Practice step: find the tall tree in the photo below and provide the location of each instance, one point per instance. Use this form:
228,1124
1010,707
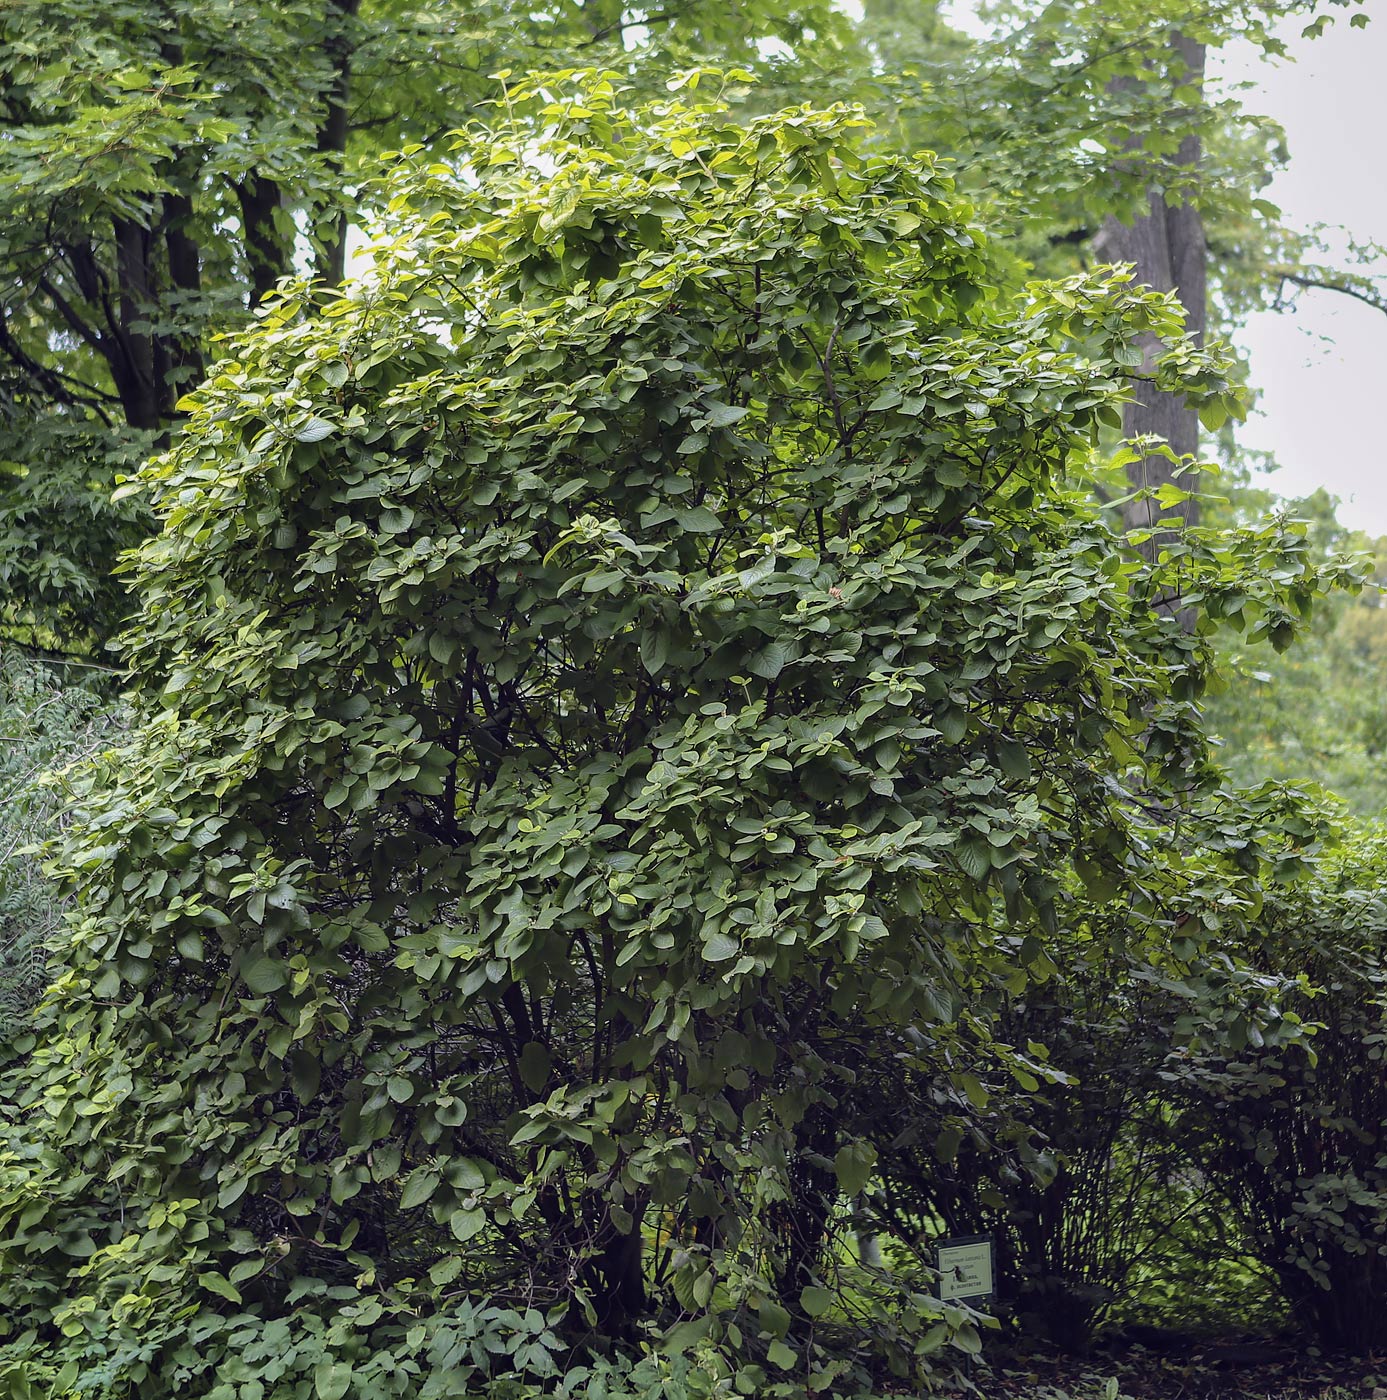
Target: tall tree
167,161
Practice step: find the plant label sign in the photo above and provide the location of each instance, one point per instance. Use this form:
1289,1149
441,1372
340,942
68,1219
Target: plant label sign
965,1268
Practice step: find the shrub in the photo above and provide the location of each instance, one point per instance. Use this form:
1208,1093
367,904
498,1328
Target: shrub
1295,1138
638,629
1085,1174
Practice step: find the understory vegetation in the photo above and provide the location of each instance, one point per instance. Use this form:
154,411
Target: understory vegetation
660,748
49,723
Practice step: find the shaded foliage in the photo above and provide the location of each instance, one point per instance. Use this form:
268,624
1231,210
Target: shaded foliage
1084,1172
48,720
1293,1139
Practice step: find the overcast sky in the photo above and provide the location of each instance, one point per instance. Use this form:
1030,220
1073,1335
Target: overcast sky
1323,369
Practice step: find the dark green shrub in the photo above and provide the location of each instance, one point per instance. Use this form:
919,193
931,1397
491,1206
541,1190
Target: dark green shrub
639,628
1086,1180
1297,1139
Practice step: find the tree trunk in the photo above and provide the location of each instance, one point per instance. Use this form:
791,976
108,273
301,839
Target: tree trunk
185,278
135,369
332,134
622,1297
800,1222
266,253
1166,244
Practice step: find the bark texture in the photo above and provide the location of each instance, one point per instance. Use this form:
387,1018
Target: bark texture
1166,244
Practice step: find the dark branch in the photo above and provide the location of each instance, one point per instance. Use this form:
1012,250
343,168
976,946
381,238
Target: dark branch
1330,284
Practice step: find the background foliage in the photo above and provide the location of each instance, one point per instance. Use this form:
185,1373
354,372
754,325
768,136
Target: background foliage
1314,713
48,721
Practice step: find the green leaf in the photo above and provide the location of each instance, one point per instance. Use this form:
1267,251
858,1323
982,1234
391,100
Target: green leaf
772,1317
189,943
975,857
722,415
466,1223
698,520
222,1287
535,1065
853,1164
654,651
421,1183
230,1192
331,1380
261,972
721,947
1013,759
305,1074
972,1087
315,430
772,659
815,1301
683,1335
949,1140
